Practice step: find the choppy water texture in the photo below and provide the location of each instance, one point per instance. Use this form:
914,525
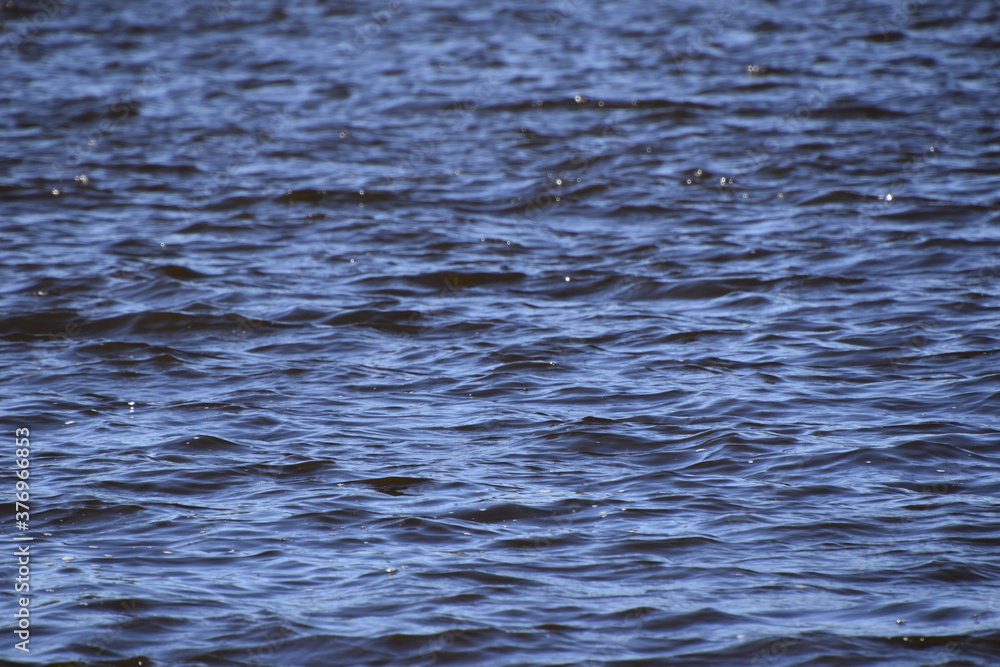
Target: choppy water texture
504,333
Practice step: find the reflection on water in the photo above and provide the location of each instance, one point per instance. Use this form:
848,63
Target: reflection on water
615,333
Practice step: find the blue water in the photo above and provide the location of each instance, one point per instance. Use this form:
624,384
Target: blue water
478,333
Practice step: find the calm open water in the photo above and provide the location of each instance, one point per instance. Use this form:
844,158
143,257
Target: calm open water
503,333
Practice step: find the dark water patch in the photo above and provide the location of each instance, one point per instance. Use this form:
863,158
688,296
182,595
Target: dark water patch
393,486
169,324
50,324
886,36
179,272
410,321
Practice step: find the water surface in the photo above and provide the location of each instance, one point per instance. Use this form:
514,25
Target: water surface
523,333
